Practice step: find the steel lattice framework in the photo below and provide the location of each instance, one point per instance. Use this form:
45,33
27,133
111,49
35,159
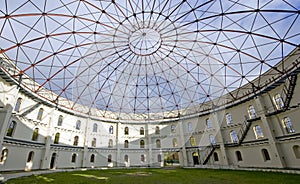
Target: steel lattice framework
147,56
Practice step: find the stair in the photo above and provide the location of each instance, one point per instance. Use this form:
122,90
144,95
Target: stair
209,150
289,90
243,131
30,109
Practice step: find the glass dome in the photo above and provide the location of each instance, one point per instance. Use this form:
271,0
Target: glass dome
148,56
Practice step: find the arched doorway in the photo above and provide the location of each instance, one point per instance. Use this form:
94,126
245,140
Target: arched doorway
171,159
195,158
52,162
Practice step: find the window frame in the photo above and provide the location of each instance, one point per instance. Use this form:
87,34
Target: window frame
40,114
92,158
158,143
95,127
234,137
126,130
258,132
78,125
18,105
142,144
126,144
3,156
30,156
35,134
73,158
94,142
76,140
239,156
278,101
142,131
251,112
109,158
56,138
266,154
175,143
111,130
11,128
288,125
173,128
157,130
209,124
228,118
212,139
192,141
110,143
60,120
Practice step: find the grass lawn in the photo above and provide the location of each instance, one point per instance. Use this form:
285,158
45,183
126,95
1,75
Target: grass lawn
160,176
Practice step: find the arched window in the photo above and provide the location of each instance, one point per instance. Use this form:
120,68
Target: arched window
212,139
142,158
60,120
126,131
192,141
251,112
18,105
76,139
126,158
142,144
11,128
126,144
296,149
142,131
3,156
73,159
110,143
175,144
158,145
30,156
40,114
208,123
173,129
265,154
35,134
288,125
159,158
109,158
228,118
258,132
111,130
190,127
94,141
216,157
95,127
238,155
92,159
234,137
78,125
56,138
157,130
278,101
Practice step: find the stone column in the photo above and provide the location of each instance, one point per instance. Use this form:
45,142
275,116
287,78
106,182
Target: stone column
5,119
46,158
184,162
274,149
85,145
218,118
118,145
148,137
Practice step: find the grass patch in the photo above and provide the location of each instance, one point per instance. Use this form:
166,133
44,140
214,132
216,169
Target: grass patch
159,176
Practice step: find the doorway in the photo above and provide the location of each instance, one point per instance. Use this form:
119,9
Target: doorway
171,159
52,162
195,158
